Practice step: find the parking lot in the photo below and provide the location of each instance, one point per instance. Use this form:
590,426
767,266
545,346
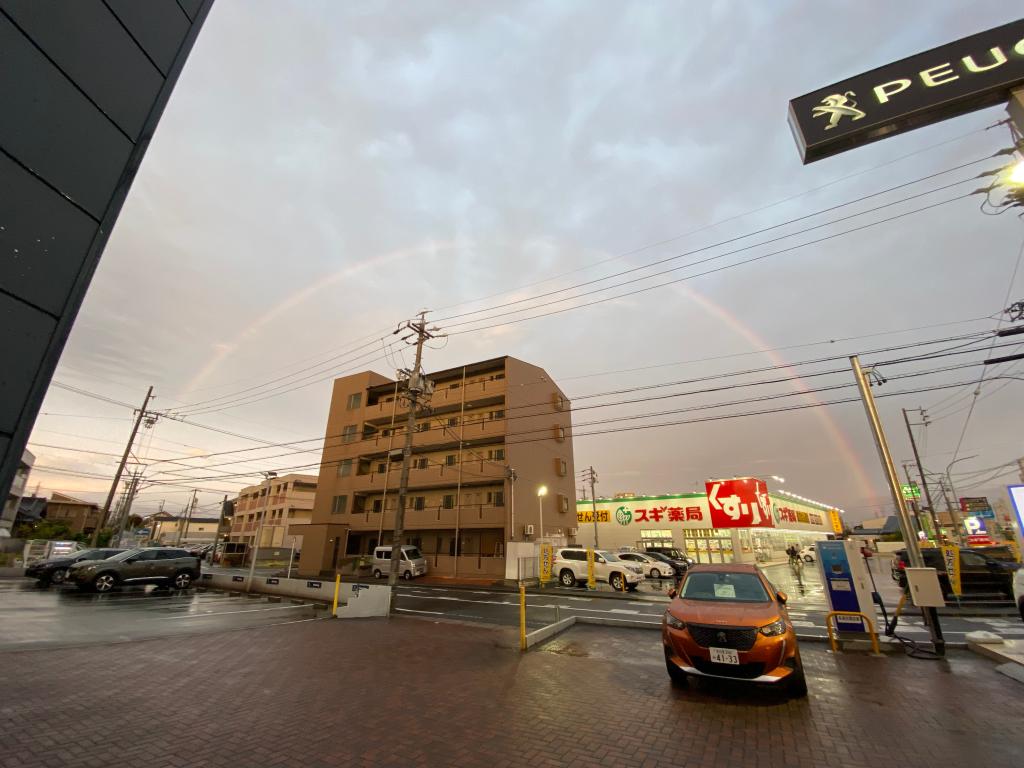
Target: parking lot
413,692
31,617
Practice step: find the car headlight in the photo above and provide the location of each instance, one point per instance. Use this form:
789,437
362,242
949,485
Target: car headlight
673,622
775,628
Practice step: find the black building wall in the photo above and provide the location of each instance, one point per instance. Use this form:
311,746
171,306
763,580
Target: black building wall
82,86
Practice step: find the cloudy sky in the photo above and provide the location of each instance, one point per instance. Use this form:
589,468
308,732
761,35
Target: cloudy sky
326,169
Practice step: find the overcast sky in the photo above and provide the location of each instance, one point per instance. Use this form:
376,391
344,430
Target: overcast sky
324,170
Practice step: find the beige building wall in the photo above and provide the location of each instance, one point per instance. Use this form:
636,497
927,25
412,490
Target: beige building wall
280,517
485,419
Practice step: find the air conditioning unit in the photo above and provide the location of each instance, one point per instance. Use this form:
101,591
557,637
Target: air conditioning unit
574,531
528,530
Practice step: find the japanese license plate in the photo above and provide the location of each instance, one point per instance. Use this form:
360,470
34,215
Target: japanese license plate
724,656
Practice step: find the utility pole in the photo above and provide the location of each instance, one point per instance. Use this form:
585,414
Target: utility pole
920,471
220,524
510,473
269,475
914,507
415,386
120,468
590,476
187,517
931,616
126,508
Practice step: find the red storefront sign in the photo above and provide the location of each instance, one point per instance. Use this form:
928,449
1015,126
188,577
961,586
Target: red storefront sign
739,503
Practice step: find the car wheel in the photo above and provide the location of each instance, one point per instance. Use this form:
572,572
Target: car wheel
182,580
616,581
655,573
407,575
797,683
59,575
808,559
567,578
377,574
675,674
104,582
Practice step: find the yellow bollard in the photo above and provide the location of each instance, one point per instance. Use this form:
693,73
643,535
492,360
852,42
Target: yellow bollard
522,617
337,588
623,582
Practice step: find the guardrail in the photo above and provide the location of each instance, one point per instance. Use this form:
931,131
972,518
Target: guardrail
831,632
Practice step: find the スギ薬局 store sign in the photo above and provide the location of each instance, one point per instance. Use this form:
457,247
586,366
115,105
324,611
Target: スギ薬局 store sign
739,503
969,74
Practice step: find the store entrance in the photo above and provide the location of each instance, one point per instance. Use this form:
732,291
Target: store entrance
705,546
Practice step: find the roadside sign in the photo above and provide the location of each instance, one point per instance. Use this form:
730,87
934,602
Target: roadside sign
910,491
547,561
591,578
951,559
977,506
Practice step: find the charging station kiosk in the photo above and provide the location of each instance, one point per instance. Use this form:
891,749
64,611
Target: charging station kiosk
847,582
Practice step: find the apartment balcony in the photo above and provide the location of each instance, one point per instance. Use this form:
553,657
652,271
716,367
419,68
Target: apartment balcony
444,399
466,516
474,472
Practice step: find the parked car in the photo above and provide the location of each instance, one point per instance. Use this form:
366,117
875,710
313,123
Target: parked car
1018,591
678,566
54,570
979,574
570,568
807,554
728,621
672,554
411,565
650,566
167,566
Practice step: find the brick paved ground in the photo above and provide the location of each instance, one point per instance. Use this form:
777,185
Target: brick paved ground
418,693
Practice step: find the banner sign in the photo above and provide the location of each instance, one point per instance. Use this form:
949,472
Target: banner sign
837,521
977,506
739,503
547,561
951,559
970,74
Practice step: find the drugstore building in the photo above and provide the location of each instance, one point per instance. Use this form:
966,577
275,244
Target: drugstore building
683,521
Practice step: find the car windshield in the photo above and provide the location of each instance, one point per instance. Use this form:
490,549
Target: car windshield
609,557
125,555
658,556
412,553
724,586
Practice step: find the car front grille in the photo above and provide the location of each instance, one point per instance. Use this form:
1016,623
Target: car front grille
744,671
737,638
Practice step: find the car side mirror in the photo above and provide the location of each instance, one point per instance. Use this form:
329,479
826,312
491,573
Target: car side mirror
783,597
673,592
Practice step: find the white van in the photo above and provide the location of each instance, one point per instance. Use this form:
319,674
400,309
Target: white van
412,563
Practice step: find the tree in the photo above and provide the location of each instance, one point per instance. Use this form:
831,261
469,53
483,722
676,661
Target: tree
43,529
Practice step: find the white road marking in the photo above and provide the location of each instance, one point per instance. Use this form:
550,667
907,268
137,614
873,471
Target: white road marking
804,624
623,610
225,613
410,610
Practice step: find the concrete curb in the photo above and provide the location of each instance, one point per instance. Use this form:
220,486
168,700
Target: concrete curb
546,633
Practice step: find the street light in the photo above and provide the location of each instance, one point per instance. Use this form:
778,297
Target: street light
541,493
1017,174
259,530
955,515
778,479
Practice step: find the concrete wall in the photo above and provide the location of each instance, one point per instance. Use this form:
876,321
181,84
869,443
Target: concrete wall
82,87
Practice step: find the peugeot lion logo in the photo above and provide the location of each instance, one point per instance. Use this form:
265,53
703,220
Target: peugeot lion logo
722,637
838,106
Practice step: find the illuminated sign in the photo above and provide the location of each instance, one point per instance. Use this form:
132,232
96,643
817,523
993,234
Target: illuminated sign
739,503
969,74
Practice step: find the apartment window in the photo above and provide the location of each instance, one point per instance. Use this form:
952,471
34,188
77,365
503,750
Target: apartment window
377,505
498,454
450,459
382,467
291,514
422,463
423,426
560,467
453,421
449,501
419,502
563,503
559,434
348,433
498,376
497,498
345,468
354,401
492,415
456,385
385,433
558,401
339,505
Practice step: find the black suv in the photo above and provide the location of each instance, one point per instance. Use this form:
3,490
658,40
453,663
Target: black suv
979,573
167,566
55,569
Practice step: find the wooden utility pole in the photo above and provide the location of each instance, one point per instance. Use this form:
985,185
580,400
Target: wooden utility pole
120,468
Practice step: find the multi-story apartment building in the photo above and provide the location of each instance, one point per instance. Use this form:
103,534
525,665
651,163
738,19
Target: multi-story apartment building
490,435
290,504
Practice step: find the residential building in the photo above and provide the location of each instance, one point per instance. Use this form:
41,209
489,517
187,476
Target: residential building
481,422
80,516
290,504
200,530
10,509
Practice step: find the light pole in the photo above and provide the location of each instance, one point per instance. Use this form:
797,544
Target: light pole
953,511
541,493
259,530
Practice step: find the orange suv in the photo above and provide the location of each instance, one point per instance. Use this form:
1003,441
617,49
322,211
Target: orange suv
728,621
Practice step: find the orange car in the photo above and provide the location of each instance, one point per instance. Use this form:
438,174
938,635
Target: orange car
728,621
